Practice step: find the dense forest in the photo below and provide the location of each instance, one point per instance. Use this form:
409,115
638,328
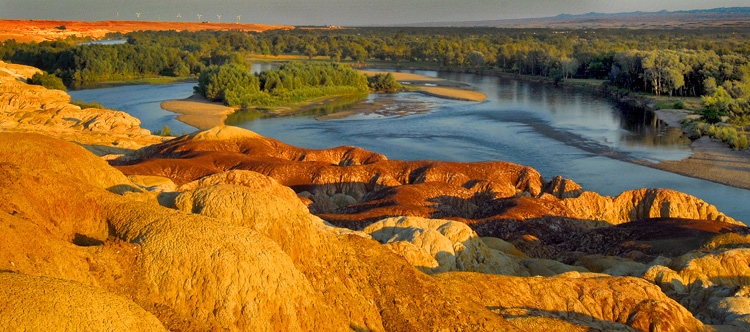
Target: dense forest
714,63
689,62
293,82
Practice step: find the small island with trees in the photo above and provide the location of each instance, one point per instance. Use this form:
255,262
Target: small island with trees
702,70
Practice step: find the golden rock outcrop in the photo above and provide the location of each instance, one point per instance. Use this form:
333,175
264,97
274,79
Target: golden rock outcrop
214,231
642,204
598,301
47,304
32,108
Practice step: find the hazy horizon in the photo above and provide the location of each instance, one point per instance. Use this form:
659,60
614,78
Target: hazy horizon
335,12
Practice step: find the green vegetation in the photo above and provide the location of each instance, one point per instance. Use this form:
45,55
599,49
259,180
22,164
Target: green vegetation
670,104
166,131
384,82
718,107
685,62
49,81
84,105
292,83
726,133
713,63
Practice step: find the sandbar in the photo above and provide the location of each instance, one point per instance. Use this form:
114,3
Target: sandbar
198,111
433,86
711,160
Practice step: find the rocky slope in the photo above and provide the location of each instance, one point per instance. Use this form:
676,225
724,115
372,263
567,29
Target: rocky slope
32,108
228,230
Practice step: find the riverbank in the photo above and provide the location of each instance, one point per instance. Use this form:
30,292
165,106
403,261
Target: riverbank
198,111
433,86
203,114
711,160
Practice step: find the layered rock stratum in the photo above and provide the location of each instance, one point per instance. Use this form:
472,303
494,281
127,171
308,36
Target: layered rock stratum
227,230
32,108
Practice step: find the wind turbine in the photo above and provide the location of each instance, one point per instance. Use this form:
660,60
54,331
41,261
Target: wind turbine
218,18
238,19
199,17
179,15
117,15
138,15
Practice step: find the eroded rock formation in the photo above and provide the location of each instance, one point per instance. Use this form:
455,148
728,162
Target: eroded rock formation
32,108
214,231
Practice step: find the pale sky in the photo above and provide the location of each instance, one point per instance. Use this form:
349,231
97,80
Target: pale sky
336,12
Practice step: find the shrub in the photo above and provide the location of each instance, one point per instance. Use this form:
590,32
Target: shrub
166,131
742,142
711,131
696,130
84,105
49,81
384,82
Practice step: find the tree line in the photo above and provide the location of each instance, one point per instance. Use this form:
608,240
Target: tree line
695,62
293,82
687,62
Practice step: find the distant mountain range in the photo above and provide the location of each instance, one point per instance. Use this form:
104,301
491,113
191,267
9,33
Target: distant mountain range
733,17
730,11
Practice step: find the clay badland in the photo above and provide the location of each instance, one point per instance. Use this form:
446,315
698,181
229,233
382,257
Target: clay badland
107,227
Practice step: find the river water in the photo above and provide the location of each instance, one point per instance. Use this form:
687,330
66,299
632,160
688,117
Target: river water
555,131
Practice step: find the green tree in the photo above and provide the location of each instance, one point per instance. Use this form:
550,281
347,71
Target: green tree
384,82
716,106
476,59
49,81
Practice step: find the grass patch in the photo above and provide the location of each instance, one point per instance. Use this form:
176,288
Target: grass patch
84,105
585,82
687,103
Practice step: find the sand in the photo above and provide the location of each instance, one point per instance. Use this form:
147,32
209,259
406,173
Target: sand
452,93
434,86
198,112
711,160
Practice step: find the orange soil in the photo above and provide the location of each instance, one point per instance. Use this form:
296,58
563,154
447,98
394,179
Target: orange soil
41,30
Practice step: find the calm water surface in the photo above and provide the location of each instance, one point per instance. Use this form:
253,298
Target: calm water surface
142,102
556,131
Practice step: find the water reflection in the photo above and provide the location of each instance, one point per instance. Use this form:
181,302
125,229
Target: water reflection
594,119
328,108
556,131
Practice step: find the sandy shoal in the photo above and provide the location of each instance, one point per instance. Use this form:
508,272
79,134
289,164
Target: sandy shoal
198,112
452,93
433,86
711,160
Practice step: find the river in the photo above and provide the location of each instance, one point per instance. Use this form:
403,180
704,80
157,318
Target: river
554,130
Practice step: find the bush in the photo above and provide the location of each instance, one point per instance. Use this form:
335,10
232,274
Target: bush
695,131
84,105
166,131
726,134
49,81
742,142
384,82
